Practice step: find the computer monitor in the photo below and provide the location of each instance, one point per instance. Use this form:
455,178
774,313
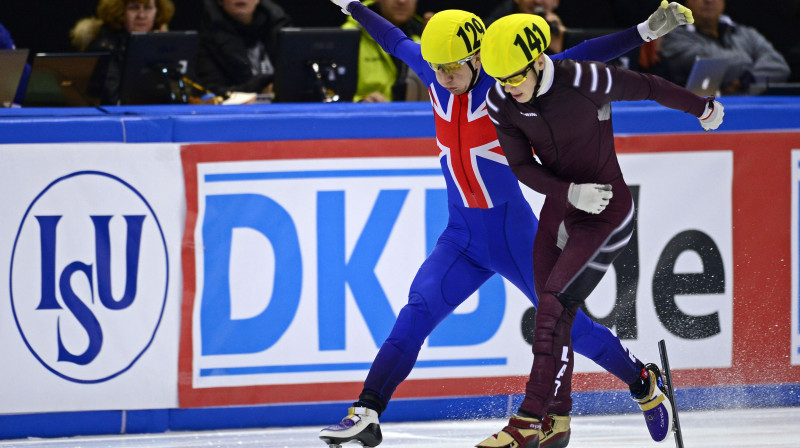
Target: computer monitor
12,64
65,80
317,65
154,67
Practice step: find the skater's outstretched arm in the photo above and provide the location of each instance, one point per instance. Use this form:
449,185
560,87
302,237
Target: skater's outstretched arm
388,36
666,18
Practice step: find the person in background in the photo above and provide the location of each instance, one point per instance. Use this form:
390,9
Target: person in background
560,110
544,8
752,58
381,76
110,32
238,47
6,43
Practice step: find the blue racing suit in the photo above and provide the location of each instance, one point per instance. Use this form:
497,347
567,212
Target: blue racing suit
491,226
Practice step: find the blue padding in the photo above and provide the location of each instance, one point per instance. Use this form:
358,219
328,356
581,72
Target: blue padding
741,114
305,126
147,421
61,129
148,129
60,424
192,123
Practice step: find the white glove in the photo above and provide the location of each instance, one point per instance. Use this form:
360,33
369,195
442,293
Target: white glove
667,17
591,198
712,116
343,4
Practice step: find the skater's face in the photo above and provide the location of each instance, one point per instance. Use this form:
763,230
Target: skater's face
521,85
457,82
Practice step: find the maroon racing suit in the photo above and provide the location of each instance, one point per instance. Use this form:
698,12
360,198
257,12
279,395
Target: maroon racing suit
568,125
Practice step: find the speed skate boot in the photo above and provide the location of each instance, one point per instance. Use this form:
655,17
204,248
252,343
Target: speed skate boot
521,432
555,431
360,426
655,403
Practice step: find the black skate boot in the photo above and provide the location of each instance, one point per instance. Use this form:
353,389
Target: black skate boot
361,426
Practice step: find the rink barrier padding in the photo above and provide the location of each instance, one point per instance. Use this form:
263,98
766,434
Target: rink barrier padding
66,424
773,382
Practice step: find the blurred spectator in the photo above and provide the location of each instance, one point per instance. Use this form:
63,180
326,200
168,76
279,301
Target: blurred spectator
542,8
382,77
752,57
778,21
6,43
239,45
111,30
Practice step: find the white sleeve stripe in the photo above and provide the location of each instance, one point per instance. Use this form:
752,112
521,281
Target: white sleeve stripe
610,81
490,104
493,120
577,80
499,89
594,78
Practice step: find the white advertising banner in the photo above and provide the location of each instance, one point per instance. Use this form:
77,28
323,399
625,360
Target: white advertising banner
90,242
302,265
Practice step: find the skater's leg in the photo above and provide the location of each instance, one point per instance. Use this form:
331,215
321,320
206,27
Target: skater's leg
549,385
444,281
590,245
599,344
447,277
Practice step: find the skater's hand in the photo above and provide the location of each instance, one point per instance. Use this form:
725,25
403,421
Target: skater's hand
343,4
667,17
712,116
591,198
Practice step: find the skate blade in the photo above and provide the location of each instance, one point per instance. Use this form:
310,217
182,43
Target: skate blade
333,443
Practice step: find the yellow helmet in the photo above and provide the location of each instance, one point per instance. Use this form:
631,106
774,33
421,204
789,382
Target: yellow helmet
513,42
452,35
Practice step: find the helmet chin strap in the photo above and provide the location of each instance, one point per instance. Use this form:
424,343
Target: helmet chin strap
474,79
537,85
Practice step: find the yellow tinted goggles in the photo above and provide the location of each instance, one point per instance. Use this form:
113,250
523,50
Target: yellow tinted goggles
515,80
451,67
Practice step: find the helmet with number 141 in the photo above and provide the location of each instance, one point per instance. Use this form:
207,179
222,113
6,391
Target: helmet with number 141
513,43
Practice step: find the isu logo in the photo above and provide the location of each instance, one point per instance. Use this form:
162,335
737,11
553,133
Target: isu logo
89,276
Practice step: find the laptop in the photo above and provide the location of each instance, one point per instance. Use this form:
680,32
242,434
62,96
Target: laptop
706,76
65,80
12,64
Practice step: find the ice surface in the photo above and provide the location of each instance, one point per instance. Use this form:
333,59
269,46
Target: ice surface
731,428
